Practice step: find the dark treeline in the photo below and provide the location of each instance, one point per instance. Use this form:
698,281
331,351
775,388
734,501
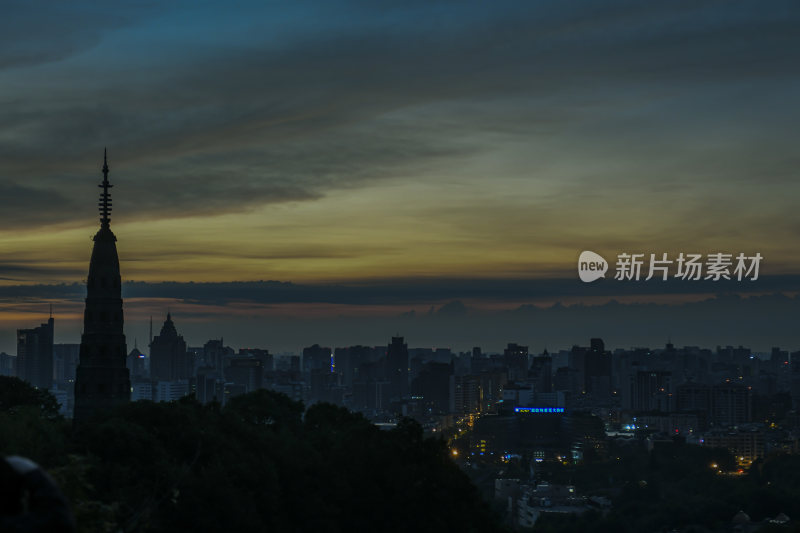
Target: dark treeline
261,463
674,487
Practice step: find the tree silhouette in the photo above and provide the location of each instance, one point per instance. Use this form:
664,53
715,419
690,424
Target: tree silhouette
15,393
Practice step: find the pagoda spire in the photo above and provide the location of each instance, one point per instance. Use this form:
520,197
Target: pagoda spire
105,196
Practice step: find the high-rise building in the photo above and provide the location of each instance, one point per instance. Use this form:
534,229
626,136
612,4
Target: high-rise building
35,355
169,360
208,386
170,391
245,371
577,362
142,390
266,358
597,370
397,368
370,390
102,379
324,387
541,372
65,361
136,365
435,386
516,361
652,391
8,364
467,394
693,396
215,353
316,357
732,404
348,361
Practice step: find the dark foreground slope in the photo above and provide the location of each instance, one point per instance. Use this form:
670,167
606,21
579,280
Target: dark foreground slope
259,464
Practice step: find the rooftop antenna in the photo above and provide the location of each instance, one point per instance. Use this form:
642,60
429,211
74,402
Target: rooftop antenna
151,331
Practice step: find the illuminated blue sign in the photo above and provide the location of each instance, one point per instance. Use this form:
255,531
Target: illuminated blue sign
538,409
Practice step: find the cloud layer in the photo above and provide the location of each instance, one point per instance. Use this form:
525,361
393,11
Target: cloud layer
210,111
401,153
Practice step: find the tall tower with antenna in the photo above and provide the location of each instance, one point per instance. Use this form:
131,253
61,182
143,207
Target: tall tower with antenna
102,379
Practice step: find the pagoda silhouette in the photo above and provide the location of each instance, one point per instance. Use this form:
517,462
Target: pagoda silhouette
102,380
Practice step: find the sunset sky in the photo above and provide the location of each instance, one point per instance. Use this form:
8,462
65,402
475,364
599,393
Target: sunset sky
384,158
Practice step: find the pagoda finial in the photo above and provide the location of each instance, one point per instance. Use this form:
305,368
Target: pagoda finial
105,196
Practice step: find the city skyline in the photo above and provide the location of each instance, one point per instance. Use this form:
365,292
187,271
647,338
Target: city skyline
400,266
383,161
702,324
